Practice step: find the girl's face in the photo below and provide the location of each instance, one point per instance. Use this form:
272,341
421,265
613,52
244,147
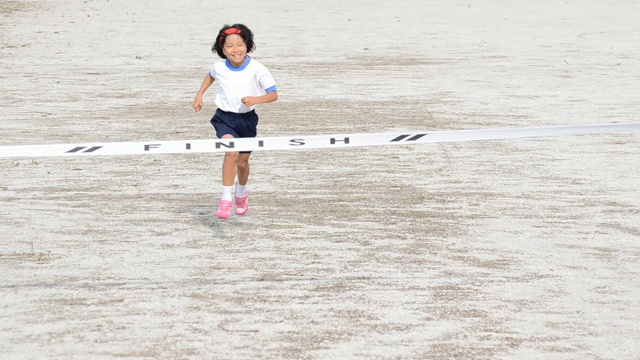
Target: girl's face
235,49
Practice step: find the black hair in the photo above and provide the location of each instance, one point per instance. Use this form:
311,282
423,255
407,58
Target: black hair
240,29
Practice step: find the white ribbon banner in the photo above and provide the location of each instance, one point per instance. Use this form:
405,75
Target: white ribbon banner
301,142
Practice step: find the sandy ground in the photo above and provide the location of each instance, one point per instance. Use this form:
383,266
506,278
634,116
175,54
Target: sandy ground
521,249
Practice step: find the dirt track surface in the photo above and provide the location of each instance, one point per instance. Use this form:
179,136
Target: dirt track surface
498,249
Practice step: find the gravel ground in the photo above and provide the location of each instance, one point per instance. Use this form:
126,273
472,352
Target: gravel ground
518,249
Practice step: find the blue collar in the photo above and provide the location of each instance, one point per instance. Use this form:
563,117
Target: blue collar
239,68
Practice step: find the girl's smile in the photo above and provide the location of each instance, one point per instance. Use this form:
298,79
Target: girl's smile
235,49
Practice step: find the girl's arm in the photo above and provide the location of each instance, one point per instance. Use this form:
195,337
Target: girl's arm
255,100
197,103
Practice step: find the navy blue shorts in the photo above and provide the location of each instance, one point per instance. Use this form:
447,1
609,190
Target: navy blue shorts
239,125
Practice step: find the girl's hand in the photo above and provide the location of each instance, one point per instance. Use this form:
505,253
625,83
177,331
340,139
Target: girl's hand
197,104
249,101
255,100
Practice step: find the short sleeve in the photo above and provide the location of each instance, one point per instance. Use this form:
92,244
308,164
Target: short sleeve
212,72
267,83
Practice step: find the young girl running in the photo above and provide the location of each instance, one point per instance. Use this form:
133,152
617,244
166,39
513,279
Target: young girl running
243,83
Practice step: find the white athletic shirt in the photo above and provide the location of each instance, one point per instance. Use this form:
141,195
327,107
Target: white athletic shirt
250,79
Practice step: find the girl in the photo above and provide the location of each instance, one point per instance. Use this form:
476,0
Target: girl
243,83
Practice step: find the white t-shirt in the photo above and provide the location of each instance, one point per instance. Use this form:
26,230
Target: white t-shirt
250,79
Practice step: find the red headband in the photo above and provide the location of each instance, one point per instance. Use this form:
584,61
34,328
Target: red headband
229,31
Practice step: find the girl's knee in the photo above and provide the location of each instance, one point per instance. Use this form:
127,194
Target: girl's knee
231,156
242,163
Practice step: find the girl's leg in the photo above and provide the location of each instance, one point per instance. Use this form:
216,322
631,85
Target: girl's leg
242,164
229,166
242,204
228,176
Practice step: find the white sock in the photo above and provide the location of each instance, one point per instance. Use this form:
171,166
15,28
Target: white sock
241,190
226,193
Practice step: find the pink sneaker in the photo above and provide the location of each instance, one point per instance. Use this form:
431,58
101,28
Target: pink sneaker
242,204
224,209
